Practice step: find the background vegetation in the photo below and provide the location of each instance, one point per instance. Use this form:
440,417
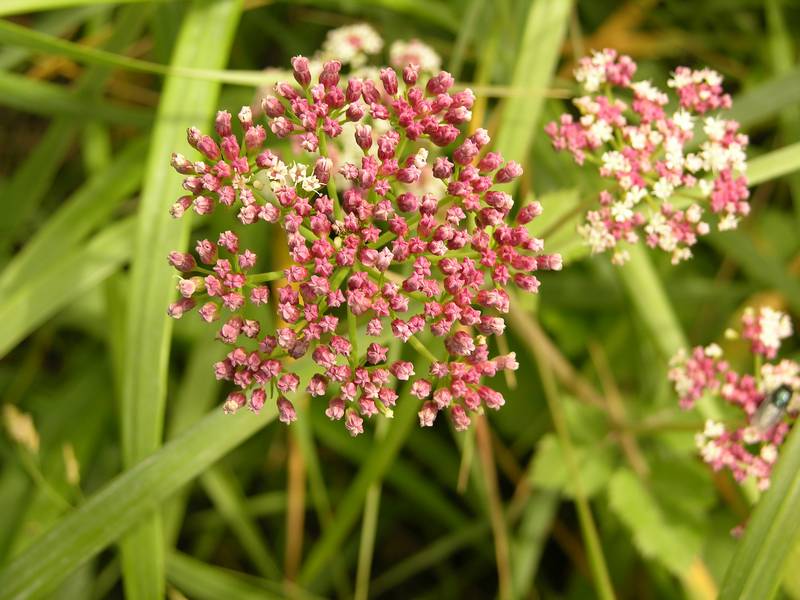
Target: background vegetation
586,484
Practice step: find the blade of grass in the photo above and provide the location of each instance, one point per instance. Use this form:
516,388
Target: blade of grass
352,501
369,527
739,247
767,99
229,499
538,54
127,499
594,548
149,329
49,99
84,210
756,569
205,582
16,7
13,34
45,292
54,23
774,164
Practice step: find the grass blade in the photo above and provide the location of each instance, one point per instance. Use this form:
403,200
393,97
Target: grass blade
374,468
774,164
538,55
16,7
149,329
87,208
67,279
48,99
133,495
757,566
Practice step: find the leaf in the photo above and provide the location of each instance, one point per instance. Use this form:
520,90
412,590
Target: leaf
766,100
671,544
206,582
538,55
84,210
774,164
771,534
127,499
151,288
48,99
16,7
373,468
549,468
66,279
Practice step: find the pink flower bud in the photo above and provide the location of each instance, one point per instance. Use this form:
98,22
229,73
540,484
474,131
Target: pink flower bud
300,68
286,412
182,261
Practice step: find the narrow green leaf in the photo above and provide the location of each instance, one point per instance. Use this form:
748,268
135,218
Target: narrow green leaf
205,582
739,247
229,500
774,164
30,182
766,100
13,34
45,292
182,103
528,545
130,497
648,297
772,532
353,500
83,211
49,99
538,55
16,7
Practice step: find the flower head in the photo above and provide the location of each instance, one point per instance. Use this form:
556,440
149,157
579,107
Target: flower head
661,189
399,238
769,398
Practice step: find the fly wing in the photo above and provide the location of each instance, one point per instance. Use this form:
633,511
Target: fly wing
767,416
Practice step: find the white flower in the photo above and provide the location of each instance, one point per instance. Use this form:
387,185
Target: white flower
351,44
663,189
401,53
621,211
774,326
713,429
615,162
635,195
684,120
714,128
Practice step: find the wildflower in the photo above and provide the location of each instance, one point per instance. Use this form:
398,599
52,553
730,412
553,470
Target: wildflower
751,449
660,189
397,238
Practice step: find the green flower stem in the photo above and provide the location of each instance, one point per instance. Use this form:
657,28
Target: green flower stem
264,277
323,150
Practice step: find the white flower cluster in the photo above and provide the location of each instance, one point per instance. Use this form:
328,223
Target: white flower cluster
591,73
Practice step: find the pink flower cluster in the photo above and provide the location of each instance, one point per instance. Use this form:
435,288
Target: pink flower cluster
661,185
751,449
387,244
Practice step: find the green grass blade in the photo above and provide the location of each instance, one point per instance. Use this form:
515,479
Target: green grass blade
49,99
538,55
149,329
16,7
87,208
528,545
353,500
229,500
205,582
739,247
774,164
647,294
13,34
757,566
766,100
46,292
30,182
130,497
